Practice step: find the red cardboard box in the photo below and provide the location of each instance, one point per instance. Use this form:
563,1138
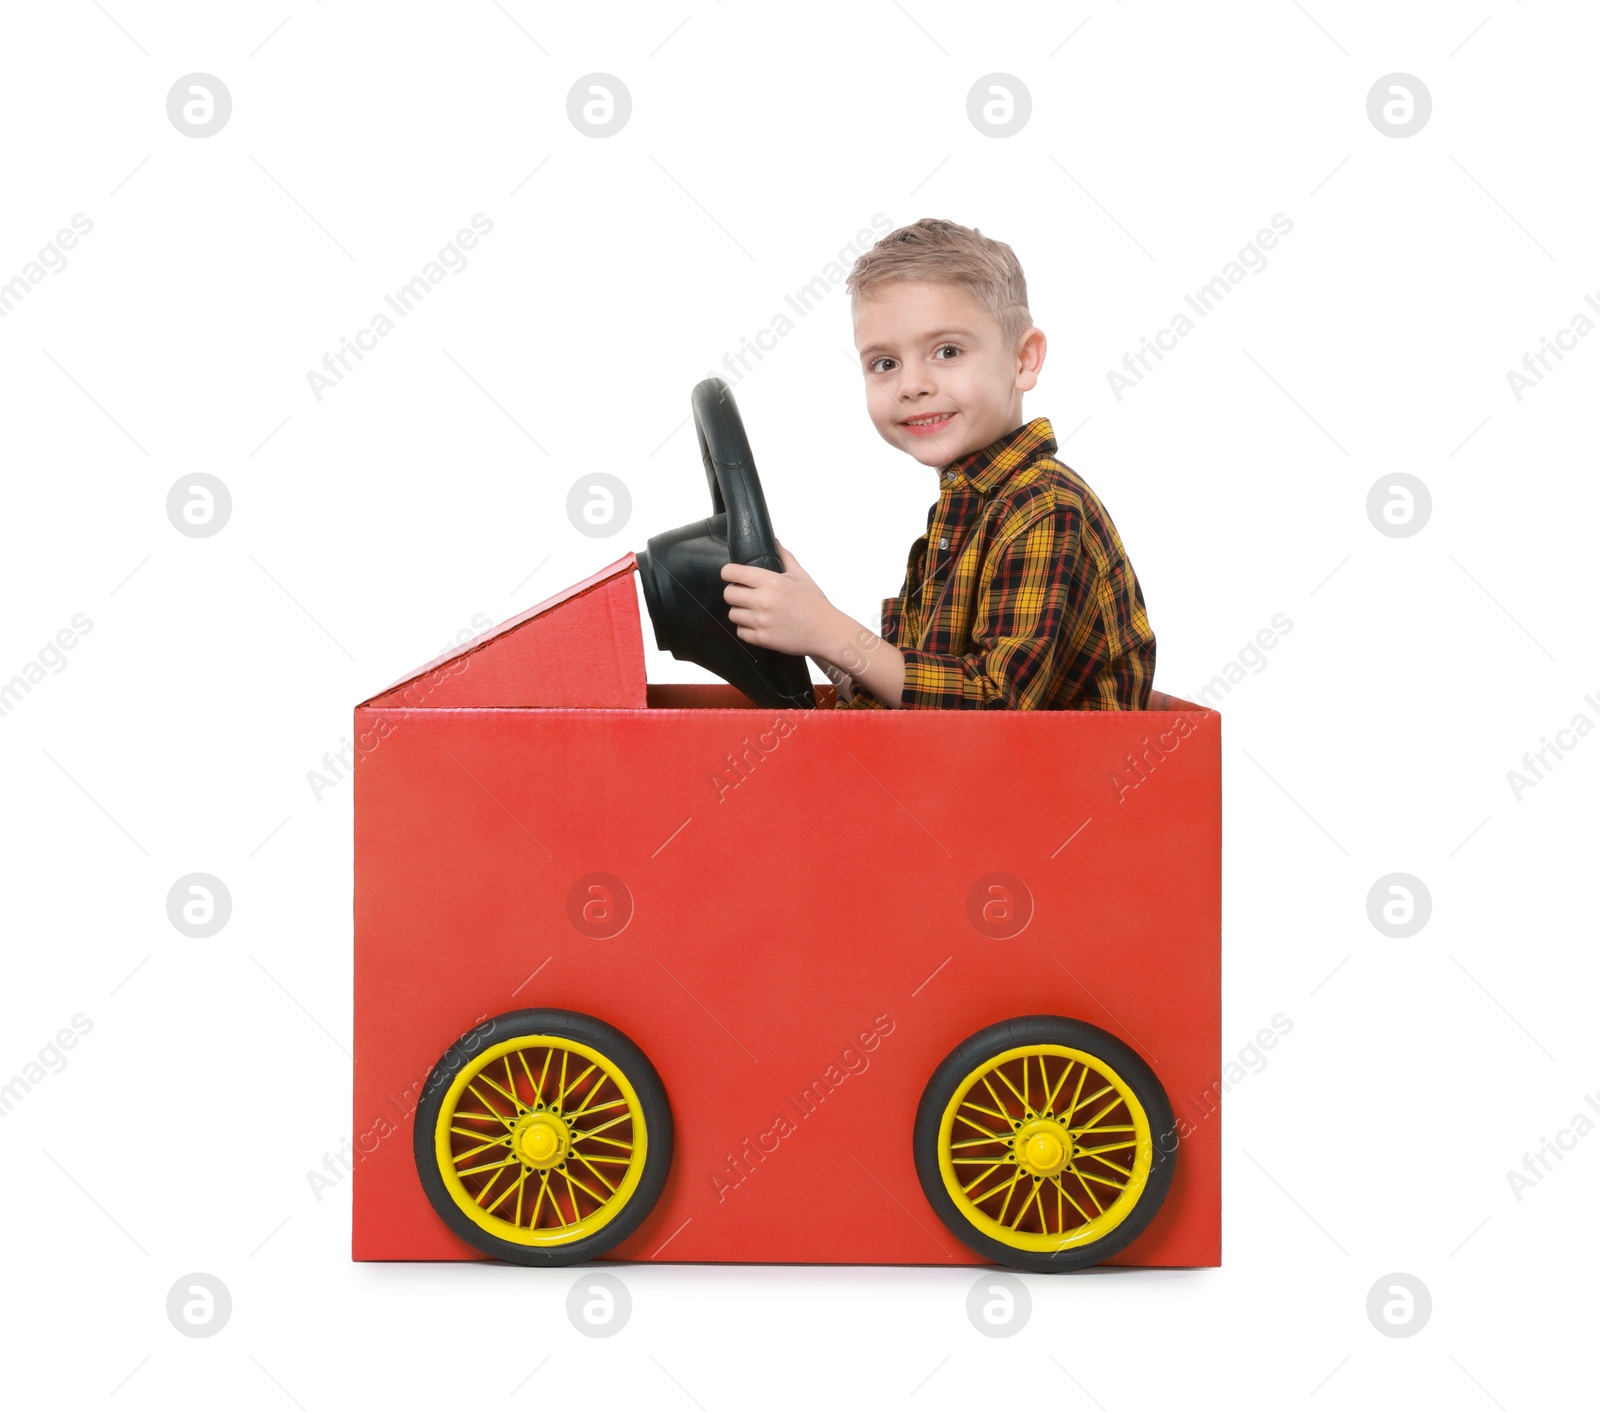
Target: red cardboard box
787,927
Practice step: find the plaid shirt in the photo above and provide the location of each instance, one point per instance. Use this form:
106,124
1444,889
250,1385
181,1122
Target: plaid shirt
1027,601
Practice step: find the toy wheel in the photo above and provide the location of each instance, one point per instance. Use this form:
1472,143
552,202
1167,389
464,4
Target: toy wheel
543,1137
1044,1143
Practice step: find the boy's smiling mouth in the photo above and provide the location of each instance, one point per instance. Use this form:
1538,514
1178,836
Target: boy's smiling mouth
932,422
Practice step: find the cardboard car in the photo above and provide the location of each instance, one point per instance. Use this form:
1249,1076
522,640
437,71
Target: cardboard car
655,971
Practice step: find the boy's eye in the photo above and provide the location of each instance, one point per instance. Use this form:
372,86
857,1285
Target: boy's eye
944,348
880,365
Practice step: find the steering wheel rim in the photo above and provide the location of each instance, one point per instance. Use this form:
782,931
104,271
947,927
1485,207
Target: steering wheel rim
680,570
732,476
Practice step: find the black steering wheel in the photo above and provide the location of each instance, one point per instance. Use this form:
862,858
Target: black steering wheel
681,571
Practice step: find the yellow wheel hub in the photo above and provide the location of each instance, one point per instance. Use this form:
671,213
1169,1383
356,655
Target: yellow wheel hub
1045,1148
541,1140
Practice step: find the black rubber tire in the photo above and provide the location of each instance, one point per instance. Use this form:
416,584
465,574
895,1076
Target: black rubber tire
1076,1034
620,1050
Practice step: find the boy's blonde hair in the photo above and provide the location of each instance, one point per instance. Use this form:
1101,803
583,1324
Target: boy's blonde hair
942,251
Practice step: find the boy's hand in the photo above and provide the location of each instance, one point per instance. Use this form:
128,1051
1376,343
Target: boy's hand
786,612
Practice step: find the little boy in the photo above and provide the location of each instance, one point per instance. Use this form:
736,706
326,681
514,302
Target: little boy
1020,595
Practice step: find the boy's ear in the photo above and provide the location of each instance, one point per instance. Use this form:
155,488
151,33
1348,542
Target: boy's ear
1030,358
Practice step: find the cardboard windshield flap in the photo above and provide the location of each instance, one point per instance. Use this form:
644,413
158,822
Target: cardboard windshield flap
796,933
583,647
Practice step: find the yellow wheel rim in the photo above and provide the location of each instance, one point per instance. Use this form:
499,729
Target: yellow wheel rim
1044,1148
541,1140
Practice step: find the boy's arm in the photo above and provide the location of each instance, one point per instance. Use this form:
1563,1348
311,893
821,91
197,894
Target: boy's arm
874,666
855,694
1015,635
788,612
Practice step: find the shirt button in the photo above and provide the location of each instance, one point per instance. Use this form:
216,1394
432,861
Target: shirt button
944,544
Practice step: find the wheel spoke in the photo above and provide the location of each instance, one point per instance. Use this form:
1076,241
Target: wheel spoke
533,1083
488,1103
970,1102
487,1167
1050,1101
999,1103
488,1186
515,1186
625,1143
1027,1201
1021,1097
482,1137
1114,1106
1125,1173
571,1180
1062,1191
482,1147
587,1107
572,1196
483,1117
538,1200
610,1123
610,1187
981,1175
581,1077
555,1205
1083,1073
1088,1191
1005,1204
979,1127
996,1190
1091,1177
993,1167
1097,1127
509,1097
965,1142
1093,1097
1109,1147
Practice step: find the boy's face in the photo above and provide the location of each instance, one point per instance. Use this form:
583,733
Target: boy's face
940,380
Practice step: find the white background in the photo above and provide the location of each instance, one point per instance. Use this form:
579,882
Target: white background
430,486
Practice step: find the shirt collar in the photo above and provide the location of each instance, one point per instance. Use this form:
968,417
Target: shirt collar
986,469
